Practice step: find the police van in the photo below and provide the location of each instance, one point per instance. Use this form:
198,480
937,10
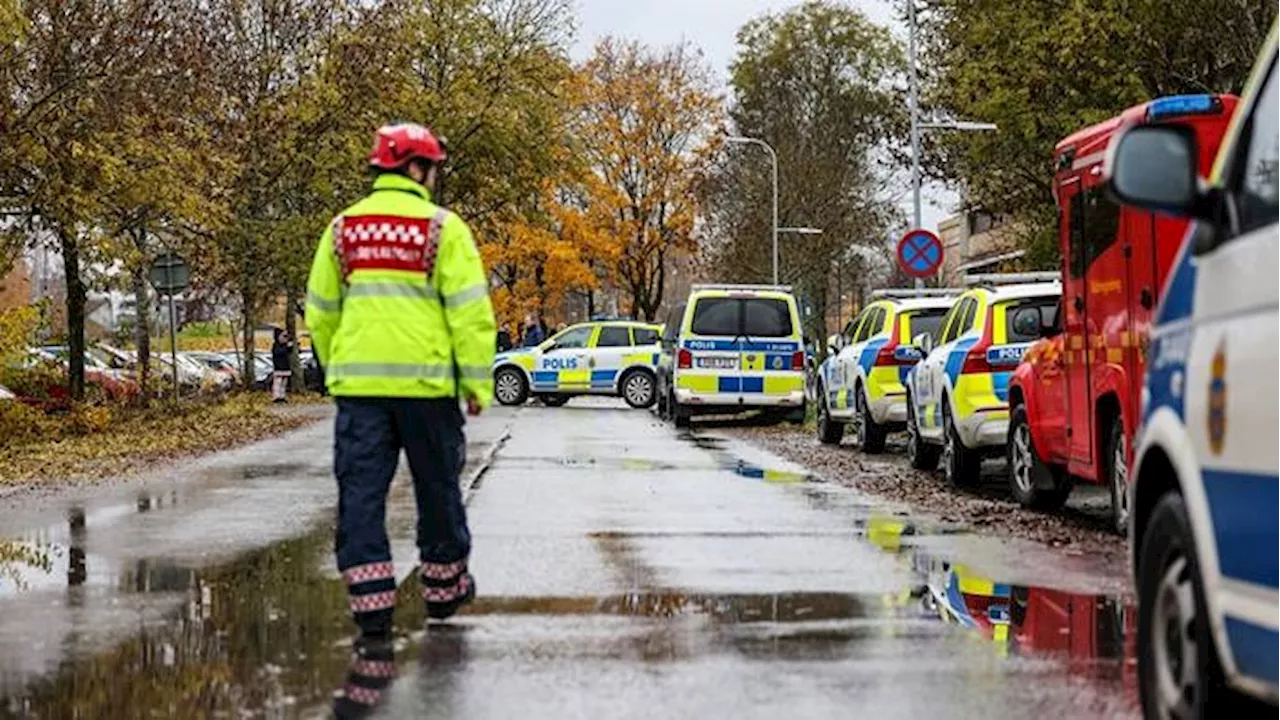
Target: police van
731,348
1204,483
862,383
594,358
958,395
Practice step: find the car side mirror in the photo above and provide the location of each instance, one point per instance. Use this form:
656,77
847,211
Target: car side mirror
835,343
1154,167
924,341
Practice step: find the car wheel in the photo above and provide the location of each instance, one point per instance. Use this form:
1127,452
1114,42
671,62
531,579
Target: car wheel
870,435
1177,665
510,386
830,432
1118,477
638,389
960,464
1031,482
554,400
922,454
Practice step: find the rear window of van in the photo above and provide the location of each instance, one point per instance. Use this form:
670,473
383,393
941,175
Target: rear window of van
733,317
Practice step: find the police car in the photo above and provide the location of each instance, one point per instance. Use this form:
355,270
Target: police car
1204,481
958,395
731,348
595,358
862,383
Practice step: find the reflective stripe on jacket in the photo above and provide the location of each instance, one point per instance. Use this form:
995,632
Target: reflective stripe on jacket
398,300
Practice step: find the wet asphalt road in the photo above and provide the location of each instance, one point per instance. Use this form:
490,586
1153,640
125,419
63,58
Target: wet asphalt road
624,571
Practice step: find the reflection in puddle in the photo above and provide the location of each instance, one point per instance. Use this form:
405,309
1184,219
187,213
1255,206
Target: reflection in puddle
1094,634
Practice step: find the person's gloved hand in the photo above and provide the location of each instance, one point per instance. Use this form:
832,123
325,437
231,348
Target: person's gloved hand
473,407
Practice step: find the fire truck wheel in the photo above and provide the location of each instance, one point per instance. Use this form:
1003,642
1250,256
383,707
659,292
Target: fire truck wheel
1032,483
1117,464
961,465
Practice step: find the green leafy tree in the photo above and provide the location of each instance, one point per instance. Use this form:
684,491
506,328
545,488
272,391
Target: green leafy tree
1041,70
822,85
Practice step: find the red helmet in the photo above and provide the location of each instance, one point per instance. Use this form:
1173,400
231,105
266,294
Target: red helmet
398,144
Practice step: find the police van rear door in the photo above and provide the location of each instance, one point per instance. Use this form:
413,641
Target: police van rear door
770,346
716,345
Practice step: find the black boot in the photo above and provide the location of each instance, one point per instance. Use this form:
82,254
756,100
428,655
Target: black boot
445,609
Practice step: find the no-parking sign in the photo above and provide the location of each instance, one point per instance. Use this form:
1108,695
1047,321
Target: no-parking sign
920,253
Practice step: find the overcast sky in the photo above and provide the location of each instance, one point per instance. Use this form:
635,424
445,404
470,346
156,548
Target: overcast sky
712,25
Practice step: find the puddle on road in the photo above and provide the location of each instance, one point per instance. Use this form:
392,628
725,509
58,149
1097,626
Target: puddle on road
1093,633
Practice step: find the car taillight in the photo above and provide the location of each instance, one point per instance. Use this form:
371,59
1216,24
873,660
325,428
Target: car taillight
797,360
684,359
975,361
888,355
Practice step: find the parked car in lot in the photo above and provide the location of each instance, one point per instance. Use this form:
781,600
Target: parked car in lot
1074,402
862,383
958,395
216,362
731,348
593,358
112,383
1204,486
261,366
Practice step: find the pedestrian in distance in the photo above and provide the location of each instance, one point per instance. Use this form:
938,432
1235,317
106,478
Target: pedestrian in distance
282,369
400,318
534,335
504,339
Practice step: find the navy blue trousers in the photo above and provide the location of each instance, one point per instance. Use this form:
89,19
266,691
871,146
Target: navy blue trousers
369,436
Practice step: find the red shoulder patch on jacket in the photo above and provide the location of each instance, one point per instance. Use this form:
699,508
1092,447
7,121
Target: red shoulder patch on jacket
385,242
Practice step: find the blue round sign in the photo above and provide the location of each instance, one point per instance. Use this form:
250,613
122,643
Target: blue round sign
920,253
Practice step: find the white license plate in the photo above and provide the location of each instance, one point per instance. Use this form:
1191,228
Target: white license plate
718,363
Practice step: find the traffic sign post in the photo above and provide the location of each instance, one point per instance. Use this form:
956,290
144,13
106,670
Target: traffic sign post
920,253
169,274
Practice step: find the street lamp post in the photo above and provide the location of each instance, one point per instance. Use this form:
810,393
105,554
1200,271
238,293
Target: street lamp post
773,158
917,126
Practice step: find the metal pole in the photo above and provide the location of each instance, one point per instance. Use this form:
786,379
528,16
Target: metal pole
173,332
915,120
774,157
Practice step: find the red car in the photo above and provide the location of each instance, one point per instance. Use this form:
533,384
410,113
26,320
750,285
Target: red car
1074,398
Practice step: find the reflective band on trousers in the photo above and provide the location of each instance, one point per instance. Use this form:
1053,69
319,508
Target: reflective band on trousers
392,289
369,369
323,303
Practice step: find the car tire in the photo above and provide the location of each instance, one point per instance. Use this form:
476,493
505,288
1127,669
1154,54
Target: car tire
1172,615
554,400
1117,467
922,454
1032,483
638,388
680,416
661,405
961,465
870,435
830,432
510,386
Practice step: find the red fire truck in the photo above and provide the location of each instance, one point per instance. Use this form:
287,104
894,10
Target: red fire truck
1074,399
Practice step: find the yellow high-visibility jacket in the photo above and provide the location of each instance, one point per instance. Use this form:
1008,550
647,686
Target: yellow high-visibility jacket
398,300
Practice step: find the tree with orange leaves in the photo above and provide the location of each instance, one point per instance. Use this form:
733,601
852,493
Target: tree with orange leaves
643,123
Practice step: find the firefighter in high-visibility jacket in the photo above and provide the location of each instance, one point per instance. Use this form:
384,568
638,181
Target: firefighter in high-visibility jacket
399,313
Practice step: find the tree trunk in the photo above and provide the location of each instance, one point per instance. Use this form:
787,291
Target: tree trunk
142,329
296,383
75,313
246,356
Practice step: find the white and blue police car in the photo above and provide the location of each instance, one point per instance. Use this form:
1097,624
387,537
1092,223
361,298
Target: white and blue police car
1204,490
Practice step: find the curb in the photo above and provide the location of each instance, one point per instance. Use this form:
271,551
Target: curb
471,483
